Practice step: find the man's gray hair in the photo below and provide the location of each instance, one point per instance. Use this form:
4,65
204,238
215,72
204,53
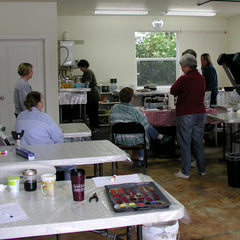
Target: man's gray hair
188,60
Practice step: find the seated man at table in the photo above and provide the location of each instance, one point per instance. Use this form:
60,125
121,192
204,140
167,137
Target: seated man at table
39,127
125,112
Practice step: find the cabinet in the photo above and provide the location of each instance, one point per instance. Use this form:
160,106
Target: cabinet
106,103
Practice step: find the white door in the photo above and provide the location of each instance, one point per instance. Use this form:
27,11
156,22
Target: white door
12,53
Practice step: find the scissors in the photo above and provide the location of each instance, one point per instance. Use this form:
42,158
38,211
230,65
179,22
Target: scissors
93,196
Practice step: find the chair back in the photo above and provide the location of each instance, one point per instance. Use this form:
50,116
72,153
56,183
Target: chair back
126,128
130,128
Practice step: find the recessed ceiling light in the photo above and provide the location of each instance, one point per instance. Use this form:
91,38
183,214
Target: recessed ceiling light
120,12
190,13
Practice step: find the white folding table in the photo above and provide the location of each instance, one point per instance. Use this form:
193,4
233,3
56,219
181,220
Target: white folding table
60,214
226,118
76,131
67,154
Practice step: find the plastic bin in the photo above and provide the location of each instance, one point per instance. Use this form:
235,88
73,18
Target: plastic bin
157,231
233,169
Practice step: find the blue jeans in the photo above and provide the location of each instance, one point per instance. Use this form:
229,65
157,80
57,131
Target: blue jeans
190,130
150,133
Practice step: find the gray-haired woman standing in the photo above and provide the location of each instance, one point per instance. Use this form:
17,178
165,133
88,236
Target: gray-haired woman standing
190,115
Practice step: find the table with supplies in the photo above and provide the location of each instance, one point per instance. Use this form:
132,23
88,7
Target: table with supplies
67,154
71,97
165,122
34,214
167,118
227,118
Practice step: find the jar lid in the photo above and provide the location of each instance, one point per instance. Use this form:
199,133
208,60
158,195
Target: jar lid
29,172
48,177
13,178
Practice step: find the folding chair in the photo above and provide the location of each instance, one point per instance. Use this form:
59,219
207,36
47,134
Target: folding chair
130,128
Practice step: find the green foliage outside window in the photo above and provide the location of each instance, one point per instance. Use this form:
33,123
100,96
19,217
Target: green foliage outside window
156,57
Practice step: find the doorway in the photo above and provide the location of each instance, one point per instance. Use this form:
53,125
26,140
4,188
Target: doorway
13,51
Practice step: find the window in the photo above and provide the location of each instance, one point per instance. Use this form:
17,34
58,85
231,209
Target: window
156,55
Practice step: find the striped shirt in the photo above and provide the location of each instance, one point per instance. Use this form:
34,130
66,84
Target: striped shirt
125,112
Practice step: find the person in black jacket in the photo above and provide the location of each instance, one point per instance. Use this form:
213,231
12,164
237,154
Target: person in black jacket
92,96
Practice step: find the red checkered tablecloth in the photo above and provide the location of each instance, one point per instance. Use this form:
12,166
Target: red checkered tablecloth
160,118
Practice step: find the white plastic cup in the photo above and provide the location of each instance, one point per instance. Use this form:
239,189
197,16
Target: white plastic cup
48,184
13,183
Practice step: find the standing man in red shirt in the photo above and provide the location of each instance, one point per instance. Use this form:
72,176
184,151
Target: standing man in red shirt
190,115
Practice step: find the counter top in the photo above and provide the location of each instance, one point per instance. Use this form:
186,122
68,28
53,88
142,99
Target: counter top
140,92
75,90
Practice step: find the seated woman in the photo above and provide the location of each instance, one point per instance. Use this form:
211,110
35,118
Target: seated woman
125,112
39,127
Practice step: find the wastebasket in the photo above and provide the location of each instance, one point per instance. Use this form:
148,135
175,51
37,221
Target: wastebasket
233,169
157,231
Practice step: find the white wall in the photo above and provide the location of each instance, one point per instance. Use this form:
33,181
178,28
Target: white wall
234,35
109,41
30,19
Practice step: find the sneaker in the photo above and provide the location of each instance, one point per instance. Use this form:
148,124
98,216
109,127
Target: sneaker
181,175
140,163
203,174
164,139
194,164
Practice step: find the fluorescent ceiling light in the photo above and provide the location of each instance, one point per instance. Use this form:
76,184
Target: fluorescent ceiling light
120,12
190,13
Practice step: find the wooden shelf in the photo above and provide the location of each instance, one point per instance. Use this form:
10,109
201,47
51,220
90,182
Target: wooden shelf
108,103
105,93
104,124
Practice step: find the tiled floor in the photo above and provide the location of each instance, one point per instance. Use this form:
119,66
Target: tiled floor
213,206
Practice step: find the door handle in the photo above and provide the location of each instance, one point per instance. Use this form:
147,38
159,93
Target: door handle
2,97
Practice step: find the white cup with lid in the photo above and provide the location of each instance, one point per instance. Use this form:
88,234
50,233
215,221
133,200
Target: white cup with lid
48,184
13,183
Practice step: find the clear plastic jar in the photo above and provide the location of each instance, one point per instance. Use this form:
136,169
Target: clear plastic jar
30,179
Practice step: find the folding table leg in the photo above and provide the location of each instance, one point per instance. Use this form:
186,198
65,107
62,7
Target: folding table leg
145,166
129,233
95,170
112,168
224,141
100,169
139,232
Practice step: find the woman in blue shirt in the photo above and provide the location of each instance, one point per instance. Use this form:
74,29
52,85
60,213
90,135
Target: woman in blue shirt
39,127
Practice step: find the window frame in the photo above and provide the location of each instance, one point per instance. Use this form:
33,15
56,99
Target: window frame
158,59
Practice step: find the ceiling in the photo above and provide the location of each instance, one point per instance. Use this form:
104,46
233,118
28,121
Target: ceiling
156,7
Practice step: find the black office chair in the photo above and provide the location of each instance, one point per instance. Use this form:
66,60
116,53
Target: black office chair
130,128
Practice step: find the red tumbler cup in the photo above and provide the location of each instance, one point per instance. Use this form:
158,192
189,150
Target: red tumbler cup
78,184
